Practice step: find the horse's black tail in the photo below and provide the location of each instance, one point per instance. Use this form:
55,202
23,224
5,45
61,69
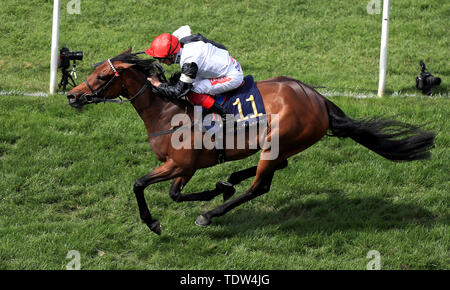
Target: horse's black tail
393,140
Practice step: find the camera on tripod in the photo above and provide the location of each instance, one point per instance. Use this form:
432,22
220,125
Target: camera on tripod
426,81
65,56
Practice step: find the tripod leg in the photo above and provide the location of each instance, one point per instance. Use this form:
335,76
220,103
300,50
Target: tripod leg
73,82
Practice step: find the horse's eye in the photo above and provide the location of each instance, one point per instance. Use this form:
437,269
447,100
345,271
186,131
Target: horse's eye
102,77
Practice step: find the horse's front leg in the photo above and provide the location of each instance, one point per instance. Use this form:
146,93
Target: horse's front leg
166,171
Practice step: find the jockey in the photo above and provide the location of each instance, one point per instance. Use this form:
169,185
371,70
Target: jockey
207,69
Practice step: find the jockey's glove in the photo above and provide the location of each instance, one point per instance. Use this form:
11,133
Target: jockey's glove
184,84
177,90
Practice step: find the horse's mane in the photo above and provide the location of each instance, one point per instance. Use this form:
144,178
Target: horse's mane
146,66
143,65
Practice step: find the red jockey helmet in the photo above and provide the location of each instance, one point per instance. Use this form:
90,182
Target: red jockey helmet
164,45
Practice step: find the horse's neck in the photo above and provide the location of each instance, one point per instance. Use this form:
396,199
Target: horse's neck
153,110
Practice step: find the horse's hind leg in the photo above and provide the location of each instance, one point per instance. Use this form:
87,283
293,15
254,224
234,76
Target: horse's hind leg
222,187
225,187
261,185
239,176
179,183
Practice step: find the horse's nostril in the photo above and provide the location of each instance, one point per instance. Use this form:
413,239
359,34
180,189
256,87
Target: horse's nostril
71,98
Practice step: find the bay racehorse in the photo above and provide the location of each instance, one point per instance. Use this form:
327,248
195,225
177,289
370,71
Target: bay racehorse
304,117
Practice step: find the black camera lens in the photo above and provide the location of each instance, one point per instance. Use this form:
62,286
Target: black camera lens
433,81
75,55
65,53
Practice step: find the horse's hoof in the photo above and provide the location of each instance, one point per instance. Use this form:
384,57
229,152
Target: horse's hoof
155,226
227,189
202,221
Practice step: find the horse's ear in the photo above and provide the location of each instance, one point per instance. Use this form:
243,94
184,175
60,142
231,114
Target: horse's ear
124,65
128,51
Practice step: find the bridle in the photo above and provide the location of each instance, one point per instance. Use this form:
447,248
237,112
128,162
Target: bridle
94,97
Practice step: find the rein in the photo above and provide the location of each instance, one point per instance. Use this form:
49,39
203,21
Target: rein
95,100
94,97
170,131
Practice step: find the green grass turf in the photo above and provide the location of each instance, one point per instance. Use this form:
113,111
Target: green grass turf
324,43
67,177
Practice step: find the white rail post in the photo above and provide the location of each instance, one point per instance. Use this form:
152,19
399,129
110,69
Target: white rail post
384,47
54,49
